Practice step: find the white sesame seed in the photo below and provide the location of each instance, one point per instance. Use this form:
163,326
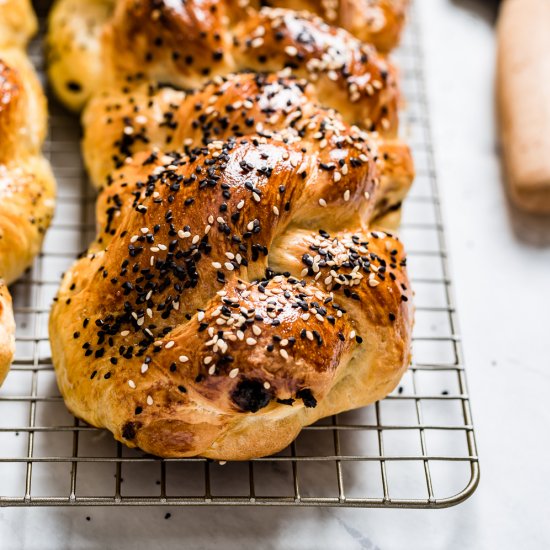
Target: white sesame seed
233,373
200,316
240,205
373,282
291,50
323,203
149,400
284,353
267,385
144,368
275,210
212,369
251,341
229,266
196,239
125,333
132,384
216,265
352,335
183,358
347,195
134,239
145,230
169,344
208,360
256,330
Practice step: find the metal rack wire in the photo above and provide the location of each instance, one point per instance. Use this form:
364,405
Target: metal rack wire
416,448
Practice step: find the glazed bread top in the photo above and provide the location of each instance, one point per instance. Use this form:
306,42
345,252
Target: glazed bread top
94,45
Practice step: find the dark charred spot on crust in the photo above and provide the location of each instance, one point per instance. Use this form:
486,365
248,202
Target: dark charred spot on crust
129,430
73,86
307,397
250,395
288,401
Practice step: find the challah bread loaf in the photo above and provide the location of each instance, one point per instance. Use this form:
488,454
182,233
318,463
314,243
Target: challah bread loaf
26,181
239,287
236,298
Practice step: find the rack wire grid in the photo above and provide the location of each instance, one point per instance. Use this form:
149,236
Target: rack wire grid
416,448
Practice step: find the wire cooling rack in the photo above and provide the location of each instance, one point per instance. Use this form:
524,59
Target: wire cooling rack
416,448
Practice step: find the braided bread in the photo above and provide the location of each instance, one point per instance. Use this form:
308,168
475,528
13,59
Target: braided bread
94,44
239,287
26,181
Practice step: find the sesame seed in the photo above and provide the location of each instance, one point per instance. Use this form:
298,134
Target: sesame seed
183,358
169,344
216,265
212,370
132,384
323,203
256,330
251,341
284,353
291,50
149,400
267,385
125,333
233,373
229,266
208,360
347,195
144,368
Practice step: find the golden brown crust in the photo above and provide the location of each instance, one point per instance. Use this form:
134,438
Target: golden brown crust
376,22
118,125
169,364
235,291
17,23
7,332
26,181
184,45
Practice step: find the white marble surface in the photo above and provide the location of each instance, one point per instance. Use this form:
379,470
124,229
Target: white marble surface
503,295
